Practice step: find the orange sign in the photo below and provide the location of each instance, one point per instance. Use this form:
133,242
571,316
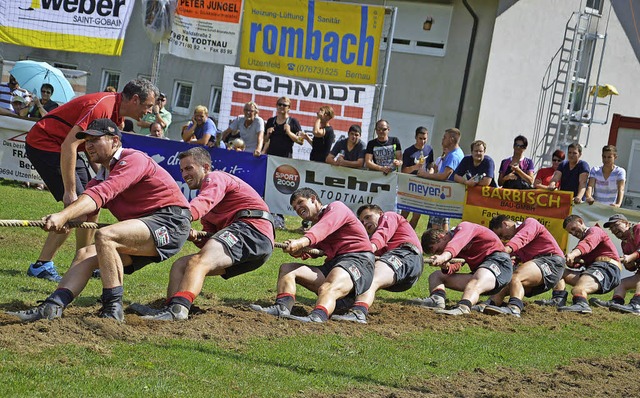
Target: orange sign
221,11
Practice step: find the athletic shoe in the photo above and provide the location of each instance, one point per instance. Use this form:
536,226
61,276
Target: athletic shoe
480,306
279,221
352,315
631,308
143,310
311,318
112,310
496,310
172,312
553,302
275,310
433,302
46,310
581,307
44,271
457,310
596,302
95,273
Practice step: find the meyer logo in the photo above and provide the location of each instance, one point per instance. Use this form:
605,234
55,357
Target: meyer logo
442,192
310,44
104,8
350,182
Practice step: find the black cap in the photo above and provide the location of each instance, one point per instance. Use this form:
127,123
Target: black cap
100,127
615,218
162,95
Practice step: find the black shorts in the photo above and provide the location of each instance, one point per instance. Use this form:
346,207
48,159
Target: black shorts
169,228
407,264
358,265
552,268
247,247
499,263
606,274
47,164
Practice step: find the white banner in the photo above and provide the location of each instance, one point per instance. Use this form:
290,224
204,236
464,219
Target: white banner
435,198
351,103
14,164
352,187
206,31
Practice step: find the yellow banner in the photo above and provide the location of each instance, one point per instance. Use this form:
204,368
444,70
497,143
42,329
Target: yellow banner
316,40
550,208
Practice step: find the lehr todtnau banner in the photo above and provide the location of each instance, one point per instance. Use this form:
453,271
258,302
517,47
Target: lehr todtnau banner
86,26
317,40
550,208
206,30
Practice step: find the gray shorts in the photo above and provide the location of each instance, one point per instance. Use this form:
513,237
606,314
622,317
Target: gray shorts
407,264
247,247
358,265
606,274
552,268
169,228
499,263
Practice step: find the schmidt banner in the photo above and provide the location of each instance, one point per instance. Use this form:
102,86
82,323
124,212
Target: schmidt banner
86,26
352,187
314,39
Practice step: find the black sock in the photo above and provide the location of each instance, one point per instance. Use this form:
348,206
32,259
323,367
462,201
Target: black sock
183,301
465,302
635,300
112,294
286,301
618,300
517,302
561,294
439,292
321,314
62,297
579,299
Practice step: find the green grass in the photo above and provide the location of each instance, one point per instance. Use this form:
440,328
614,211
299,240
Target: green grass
315,360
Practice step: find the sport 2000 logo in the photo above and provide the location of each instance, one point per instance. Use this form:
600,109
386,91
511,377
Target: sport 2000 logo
286,179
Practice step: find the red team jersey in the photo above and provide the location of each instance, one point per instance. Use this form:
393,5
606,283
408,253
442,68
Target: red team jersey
338,231
473,243
633,244
216,214
130,173
533,239
393,231
49,132
596,243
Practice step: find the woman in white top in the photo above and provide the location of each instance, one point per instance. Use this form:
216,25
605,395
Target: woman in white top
606,182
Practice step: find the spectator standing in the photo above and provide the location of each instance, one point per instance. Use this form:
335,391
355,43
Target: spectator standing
201,128
348,152
282,131
250,128
42,106
383,153
159,114
323,135
572,174
415,157
477,168
606,182
543,178
155,130
19,105
516,172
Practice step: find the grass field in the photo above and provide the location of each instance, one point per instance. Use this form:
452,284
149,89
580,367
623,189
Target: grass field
226,350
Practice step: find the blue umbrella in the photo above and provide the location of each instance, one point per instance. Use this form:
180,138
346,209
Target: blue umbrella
31,75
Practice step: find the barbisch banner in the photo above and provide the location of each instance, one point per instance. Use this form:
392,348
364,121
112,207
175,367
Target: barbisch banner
86,26
312,39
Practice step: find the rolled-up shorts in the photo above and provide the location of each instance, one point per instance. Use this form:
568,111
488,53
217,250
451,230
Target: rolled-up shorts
407,264
499,263
552,268
247,247
169,228
606,274
358,265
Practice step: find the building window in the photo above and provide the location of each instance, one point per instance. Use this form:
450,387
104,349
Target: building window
214,102
182,92
110,78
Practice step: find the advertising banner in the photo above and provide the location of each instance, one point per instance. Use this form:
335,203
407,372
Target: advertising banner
206,30
352,187
435,198
14,164
550,208
86,26
243,165
313,39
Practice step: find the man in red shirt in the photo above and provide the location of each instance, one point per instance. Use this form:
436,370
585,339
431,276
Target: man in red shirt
52,148
541,262
600,259
348,269
491,266
153,215
400,260
629,234
241,226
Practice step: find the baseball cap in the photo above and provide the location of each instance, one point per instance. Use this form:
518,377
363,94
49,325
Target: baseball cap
18,98
162,95
615,218
100,127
